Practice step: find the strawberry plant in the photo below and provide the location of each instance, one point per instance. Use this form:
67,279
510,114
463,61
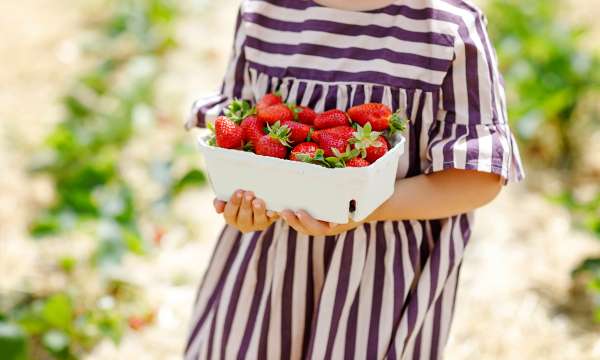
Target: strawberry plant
550,77
103,110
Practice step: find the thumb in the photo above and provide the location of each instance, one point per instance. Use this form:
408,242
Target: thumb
219,206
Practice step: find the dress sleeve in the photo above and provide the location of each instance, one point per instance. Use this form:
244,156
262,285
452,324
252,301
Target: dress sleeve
470,130
207,108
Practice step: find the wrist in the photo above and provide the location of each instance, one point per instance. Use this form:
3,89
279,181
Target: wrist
375,215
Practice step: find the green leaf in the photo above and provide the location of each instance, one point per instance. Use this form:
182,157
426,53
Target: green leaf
58,311
134,242
193,178
591,265
13,342
44,225
67,264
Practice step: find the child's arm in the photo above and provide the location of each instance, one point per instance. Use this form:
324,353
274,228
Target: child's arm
438,195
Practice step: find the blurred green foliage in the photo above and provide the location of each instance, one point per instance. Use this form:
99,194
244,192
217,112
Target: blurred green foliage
549,77
82,155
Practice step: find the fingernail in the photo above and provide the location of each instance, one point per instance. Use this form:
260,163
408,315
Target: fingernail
256,205
238,195
270,213
248,197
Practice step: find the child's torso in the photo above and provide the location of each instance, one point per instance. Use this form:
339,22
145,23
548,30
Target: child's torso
329,58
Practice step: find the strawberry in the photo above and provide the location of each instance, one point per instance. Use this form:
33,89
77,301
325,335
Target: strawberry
378,115
298,131
329,141
253,129
370,144
304,151
275,142
343,158
331,118
268,100
376,151
274,113
357,162
228,134
305,115
345,132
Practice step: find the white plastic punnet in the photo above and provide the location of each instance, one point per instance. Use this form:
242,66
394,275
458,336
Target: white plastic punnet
326,194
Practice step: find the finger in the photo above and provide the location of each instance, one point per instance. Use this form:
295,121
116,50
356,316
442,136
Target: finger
311,224
272,215
219,206
293,221
233,206
244,218
260,214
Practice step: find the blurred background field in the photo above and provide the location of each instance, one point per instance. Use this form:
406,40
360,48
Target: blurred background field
105,218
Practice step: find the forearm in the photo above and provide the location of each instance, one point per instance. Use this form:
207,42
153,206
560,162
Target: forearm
438,195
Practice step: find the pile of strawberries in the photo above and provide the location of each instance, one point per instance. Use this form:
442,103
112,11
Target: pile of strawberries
333,138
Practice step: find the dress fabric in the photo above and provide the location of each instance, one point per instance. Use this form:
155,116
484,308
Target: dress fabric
385,289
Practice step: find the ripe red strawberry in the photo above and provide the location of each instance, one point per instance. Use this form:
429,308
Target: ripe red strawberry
345,132
370,144
298,132
275,142
268,100
376,151
331,118
329,141
378,115
228,134
305,115
357,162
274,113
304,151
253,129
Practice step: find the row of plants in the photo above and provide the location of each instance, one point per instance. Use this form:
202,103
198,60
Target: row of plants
104,110
552,83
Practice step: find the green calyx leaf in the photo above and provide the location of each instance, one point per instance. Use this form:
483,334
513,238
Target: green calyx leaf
340,158
280,133
319,159
304,157
238,110
335,162
248,146
212,140
310,133
398,122
295,110
365,137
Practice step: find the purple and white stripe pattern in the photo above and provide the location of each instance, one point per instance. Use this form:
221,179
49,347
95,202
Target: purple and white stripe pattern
386,289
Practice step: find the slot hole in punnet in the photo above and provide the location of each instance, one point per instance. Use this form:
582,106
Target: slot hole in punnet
352,206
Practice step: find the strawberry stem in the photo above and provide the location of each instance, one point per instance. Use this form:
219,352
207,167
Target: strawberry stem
238,110
398,122
280,133
364,138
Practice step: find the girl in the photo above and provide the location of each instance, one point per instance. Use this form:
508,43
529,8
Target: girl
286,286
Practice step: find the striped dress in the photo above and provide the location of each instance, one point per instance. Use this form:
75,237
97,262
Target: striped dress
385,289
